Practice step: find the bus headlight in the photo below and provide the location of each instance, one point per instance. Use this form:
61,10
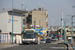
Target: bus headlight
23,39
33,39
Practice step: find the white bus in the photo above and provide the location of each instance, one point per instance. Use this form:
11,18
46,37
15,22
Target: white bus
29,36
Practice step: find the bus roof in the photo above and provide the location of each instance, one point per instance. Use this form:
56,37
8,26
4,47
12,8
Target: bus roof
29,29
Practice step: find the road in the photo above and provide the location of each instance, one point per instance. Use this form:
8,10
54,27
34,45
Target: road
47,46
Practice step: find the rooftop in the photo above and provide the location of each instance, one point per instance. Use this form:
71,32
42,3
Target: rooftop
10,9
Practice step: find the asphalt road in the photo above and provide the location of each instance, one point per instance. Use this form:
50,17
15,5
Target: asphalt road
47,46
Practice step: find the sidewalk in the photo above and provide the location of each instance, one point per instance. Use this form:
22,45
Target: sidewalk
70,47
7,45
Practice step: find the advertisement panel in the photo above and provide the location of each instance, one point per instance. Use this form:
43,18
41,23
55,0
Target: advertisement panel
39,30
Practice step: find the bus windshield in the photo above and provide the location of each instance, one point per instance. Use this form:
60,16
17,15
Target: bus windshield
27,35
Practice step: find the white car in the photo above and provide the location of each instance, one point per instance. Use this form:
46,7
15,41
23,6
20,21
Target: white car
42,41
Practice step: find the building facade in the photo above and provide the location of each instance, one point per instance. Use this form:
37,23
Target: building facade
37,16
6,23
40,18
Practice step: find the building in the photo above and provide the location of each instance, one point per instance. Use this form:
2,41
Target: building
40,18
6,22
27,20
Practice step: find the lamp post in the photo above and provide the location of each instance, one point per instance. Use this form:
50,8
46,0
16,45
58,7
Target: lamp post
72,29
12,20
64,30
61,24
22,17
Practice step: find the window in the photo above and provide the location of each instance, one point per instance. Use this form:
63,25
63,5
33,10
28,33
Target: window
28,36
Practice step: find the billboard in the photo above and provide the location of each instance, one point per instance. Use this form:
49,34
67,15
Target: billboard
39,30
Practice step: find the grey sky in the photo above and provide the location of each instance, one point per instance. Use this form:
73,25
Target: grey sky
52,6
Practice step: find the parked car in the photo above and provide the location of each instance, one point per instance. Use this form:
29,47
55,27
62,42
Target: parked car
48,40
54,39
42,41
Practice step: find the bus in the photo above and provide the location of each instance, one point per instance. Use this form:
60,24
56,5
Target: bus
29,36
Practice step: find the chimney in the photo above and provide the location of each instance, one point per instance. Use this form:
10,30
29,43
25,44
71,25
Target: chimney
34,9
39,8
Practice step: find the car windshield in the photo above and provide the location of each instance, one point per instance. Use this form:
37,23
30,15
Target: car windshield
48,39
42,39
27,35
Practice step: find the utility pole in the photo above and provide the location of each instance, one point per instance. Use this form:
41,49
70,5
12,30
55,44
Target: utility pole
12,19
62,18
64,30
61,24
22,17
72,29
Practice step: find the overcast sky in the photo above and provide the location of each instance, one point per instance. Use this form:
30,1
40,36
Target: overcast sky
53,8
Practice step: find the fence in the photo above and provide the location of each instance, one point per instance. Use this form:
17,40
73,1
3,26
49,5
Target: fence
5,38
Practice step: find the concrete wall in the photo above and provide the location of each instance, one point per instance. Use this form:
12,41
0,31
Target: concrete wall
16,25
7,27
38,15
3,21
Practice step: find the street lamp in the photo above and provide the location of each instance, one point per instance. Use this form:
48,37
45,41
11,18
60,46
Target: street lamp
12,19
72,27
61,24
22,17
64,29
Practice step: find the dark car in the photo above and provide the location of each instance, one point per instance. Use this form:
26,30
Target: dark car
48,40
